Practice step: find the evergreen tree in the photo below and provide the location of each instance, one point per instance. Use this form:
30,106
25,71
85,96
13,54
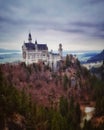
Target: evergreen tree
67,61
63,106
77,114
87,125
58,122
65,82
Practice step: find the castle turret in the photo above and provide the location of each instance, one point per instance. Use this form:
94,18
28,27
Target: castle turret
60,50
29,38
36,45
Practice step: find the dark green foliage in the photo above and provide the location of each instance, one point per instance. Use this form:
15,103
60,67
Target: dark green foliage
71,105
100,106
85,72
36,117
78,63
98,96
74,115
63,106
67,61
77,114
65,82
58,122
88,125
66,117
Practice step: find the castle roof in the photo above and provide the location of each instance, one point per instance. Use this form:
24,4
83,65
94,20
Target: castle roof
32,46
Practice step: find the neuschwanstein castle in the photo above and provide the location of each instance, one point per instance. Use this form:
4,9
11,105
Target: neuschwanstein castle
35,52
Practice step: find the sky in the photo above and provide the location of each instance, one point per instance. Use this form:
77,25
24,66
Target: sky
77,24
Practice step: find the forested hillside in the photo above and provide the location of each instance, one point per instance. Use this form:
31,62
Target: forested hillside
35,97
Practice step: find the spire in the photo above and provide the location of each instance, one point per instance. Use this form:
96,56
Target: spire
29,37
35,41
60,49
36,45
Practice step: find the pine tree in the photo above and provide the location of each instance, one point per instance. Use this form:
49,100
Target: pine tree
63,106
67,61
65,82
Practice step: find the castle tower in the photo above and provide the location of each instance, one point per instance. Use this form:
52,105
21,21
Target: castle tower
60,50
29,38
36,46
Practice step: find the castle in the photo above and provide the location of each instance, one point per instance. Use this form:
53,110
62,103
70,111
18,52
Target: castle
35,52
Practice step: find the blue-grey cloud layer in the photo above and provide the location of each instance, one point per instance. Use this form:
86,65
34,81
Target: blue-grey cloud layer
84,17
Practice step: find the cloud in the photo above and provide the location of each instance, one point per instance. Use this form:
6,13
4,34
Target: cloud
94,30
72,18
96,1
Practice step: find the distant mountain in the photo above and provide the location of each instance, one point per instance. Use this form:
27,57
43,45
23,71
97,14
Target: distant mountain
98,57
7,56
2,50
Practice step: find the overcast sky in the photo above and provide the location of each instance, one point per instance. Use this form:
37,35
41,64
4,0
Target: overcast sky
77,24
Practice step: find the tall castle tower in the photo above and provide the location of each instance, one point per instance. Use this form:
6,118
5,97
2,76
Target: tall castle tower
30,38
60,50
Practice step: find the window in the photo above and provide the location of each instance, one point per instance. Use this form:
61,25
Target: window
43,54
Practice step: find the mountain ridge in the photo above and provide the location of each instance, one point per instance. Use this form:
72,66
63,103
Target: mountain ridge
9,50
99,57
